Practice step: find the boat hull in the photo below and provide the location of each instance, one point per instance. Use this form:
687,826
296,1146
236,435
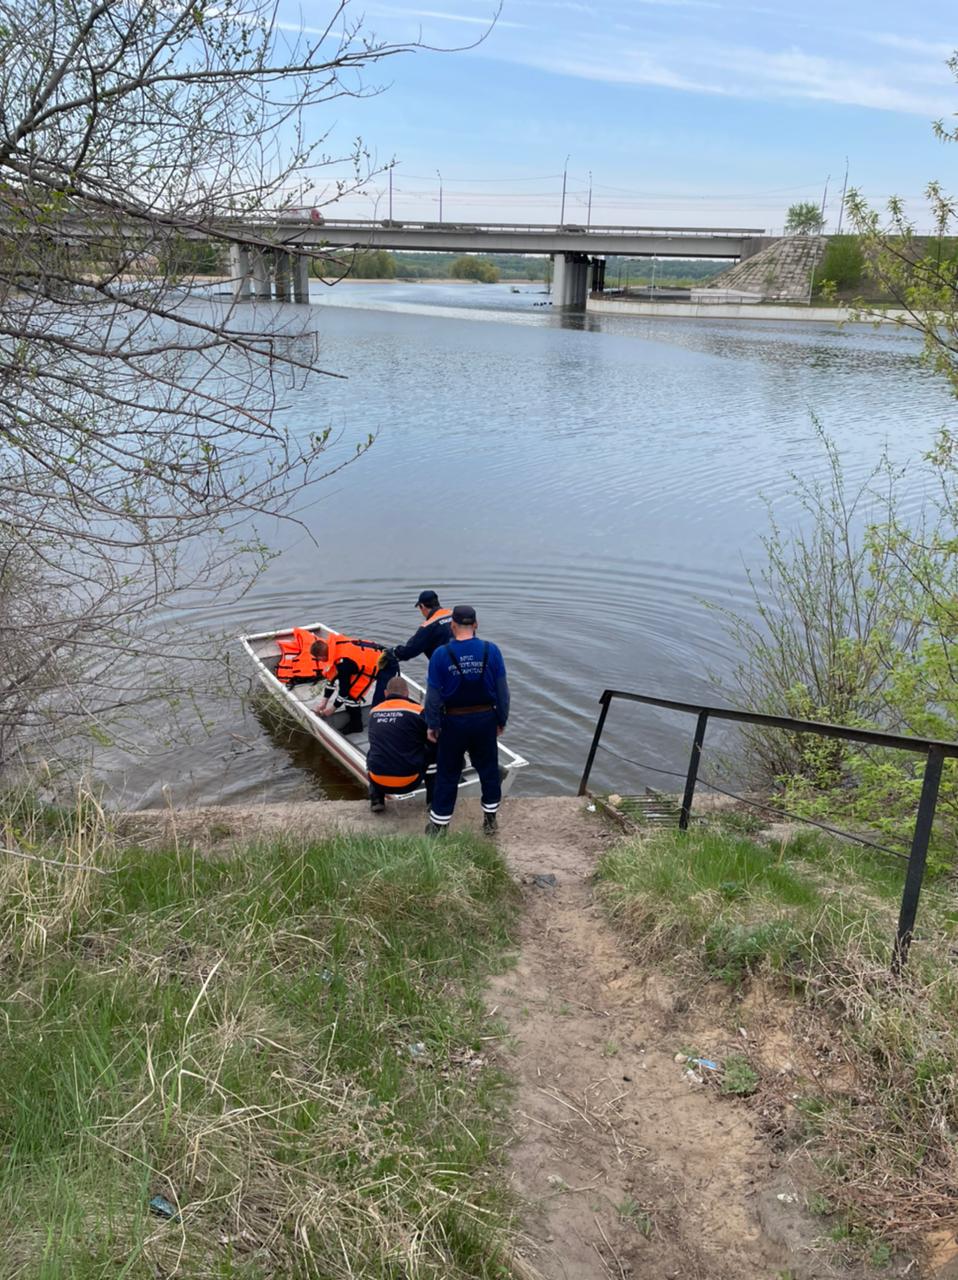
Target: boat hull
349,752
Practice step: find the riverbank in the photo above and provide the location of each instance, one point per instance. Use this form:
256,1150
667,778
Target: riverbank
614,1165
303,1035
246,1058
624,1157
742,311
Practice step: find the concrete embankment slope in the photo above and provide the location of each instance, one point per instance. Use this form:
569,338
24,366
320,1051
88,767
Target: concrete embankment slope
623,1169
783,271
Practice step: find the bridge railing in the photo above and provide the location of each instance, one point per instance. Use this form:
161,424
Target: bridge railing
297,218
935,753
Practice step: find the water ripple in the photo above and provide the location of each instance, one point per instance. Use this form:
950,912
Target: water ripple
595,488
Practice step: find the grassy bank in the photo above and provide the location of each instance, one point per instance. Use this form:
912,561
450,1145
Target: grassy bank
873,1092
281,1046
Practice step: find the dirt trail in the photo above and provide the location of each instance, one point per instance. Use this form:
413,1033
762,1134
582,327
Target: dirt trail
629,1170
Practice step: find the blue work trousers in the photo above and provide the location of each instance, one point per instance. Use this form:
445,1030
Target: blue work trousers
474,734
382,679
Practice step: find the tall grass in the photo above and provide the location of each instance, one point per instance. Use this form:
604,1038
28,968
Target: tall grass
284,1042
817,918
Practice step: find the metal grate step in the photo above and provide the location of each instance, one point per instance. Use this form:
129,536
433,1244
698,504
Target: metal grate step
654,809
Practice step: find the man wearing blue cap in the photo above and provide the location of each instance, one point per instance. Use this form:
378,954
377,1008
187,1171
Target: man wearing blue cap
467,706
432,632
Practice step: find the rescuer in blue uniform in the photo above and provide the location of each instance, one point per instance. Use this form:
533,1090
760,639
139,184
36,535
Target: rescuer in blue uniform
426,639
467,706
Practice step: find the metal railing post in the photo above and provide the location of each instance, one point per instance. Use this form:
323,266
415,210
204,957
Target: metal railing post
606,699
936,752
916,860
693,772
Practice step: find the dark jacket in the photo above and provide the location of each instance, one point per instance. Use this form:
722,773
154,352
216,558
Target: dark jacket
426,639
397,742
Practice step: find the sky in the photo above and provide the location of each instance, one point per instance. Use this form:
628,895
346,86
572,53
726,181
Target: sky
673,112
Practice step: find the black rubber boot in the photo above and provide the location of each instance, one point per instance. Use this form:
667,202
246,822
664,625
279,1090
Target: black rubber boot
355,722
377,806
490,824
435,828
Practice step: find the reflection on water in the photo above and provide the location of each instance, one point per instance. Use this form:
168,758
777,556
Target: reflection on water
594,485
303,752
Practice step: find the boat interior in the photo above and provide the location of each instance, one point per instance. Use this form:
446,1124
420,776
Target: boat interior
310,693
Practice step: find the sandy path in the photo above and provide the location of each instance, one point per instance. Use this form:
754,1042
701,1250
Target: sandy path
628,1170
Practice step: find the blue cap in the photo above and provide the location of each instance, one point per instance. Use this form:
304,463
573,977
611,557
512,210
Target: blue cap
428,598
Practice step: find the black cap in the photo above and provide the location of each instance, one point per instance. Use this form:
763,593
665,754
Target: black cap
428,598
465,615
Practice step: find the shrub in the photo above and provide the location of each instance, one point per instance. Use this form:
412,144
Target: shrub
470,267
842,264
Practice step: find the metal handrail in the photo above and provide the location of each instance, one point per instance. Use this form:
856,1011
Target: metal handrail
934,749
294,217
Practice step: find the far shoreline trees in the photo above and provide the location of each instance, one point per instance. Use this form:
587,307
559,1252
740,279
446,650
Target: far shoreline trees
513,267
469,266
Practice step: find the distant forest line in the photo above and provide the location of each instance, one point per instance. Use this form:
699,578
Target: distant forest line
379,264
205,258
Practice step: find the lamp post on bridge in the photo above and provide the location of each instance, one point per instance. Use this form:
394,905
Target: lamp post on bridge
588,214
565,174
439,176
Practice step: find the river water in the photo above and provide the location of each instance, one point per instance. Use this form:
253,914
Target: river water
594,485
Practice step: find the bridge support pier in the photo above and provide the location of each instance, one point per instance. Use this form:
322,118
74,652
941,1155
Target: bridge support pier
570,280
262,285
239,272
281,275
300,277
255,273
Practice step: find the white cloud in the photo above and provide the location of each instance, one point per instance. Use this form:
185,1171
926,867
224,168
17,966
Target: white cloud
627,68
744,72
938,49
458,17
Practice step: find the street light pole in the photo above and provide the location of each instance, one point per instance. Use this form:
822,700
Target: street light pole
588,216
565,172
841,207
439,176
390,193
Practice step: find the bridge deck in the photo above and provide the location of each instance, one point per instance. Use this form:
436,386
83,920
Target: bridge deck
530,238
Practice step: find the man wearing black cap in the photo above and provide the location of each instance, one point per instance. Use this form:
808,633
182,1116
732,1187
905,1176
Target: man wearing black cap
467,706
432,632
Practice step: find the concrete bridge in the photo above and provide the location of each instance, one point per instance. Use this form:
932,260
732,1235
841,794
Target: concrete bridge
578,253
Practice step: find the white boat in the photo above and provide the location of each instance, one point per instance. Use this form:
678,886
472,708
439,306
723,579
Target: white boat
349,751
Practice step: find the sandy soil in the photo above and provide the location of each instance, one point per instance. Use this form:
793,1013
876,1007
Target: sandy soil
627,1168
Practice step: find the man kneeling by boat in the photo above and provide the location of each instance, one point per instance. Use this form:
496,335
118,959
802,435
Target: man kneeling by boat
400,757
349,667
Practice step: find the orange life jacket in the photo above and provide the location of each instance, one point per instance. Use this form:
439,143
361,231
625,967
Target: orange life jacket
364,653
439,615
296,662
